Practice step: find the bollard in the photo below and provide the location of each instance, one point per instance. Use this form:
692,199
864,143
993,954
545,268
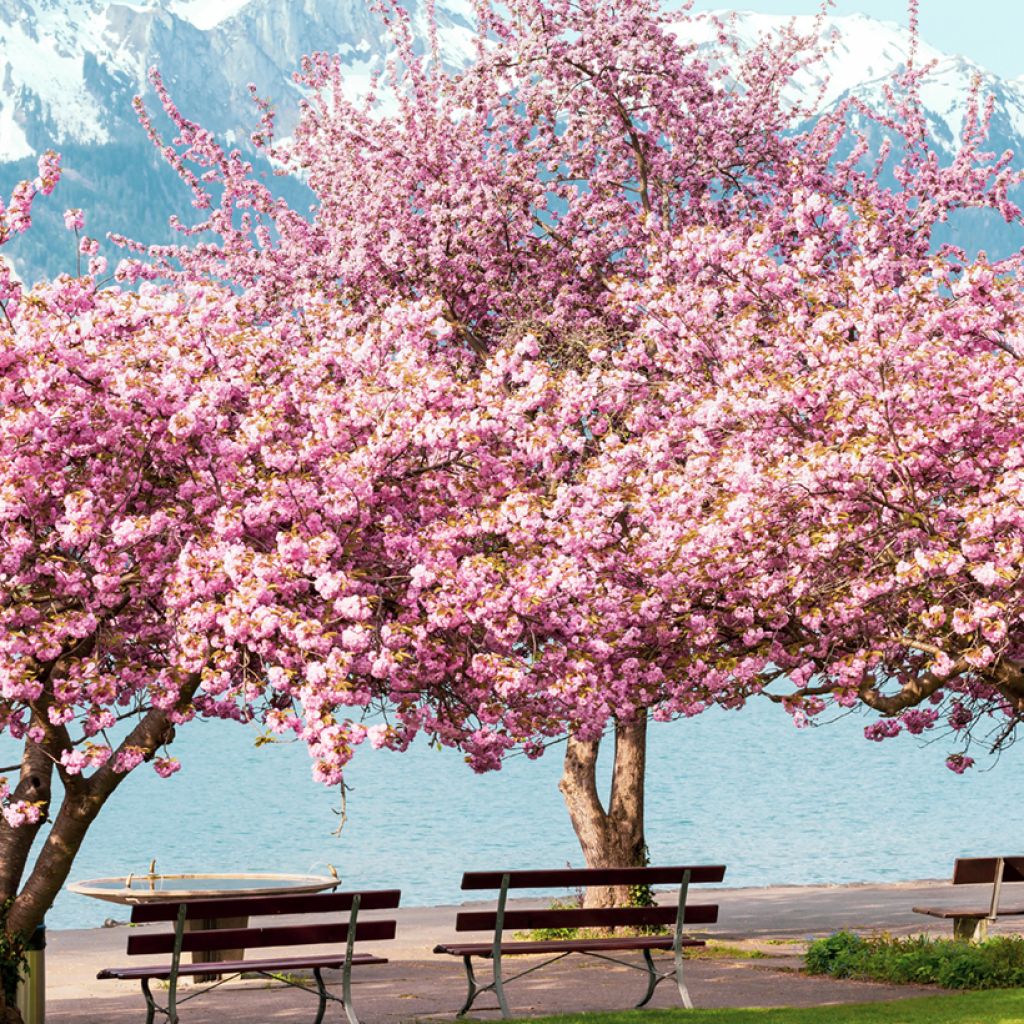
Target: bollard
31,998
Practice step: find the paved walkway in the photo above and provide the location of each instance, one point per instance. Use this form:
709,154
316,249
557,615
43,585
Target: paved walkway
417,984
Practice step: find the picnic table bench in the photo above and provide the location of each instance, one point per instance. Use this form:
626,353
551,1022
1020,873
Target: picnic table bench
223,935
500,921
971,923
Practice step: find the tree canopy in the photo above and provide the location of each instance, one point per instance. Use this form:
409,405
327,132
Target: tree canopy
600,381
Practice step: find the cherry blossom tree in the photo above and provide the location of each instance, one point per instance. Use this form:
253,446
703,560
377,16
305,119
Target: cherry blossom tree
594,388
520,199
866,520
117,412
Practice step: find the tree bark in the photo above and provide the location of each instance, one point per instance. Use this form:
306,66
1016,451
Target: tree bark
83,801
612,837
34,785
15,843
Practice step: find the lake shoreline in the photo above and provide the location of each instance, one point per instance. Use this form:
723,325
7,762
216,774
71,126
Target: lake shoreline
665,894
750,793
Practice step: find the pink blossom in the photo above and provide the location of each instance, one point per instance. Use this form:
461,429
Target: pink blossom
378,735
90,756
128,758
507,454
165,767
986,574
960,717
884,728
22,812
918,720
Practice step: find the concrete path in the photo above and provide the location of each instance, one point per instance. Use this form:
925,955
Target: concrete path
418,984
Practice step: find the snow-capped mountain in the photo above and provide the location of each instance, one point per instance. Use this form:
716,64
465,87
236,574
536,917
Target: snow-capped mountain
69,68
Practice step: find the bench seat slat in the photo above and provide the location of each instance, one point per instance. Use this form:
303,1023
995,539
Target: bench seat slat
630,942
255,938
594,917
258,906
572,877
163,971
948,912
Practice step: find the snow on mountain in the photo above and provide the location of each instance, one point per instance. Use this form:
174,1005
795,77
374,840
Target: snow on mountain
862,49
205,14
68,68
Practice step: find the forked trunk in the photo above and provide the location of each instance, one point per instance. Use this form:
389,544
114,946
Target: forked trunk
612,837
28,898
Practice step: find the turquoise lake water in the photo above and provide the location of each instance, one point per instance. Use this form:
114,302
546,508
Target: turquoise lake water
776,804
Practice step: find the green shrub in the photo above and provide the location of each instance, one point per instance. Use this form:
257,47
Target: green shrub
835,955
997,963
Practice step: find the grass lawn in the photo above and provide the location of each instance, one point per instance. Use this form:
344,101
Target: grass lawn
1004,1006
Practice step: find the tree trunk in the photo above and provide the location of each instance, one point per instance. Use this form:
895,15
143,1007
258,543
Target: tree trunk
613,837
83,800
54,861
16,843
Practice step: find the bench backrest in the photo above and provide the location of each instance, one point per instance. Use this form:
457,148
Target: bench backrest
570,877
210,911
989,870
588,917
982,870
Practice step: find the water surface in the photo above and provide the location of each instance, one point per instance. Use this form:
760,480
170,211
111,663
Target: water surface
776,804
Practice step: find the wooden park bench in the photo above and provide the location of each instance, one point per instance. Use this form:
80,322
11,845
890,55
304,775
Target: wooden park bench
971,923
502,921
223,936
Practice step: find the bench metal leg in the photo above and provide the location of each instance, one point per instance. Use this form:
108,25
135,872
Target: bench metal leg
652,979
172,981
474,988
656,977
499,988
151,1006
322,993
684,995
346,992
172,1002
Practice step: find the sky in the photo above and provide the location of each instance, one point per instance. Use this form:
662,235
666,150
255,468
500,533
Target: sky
990,32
